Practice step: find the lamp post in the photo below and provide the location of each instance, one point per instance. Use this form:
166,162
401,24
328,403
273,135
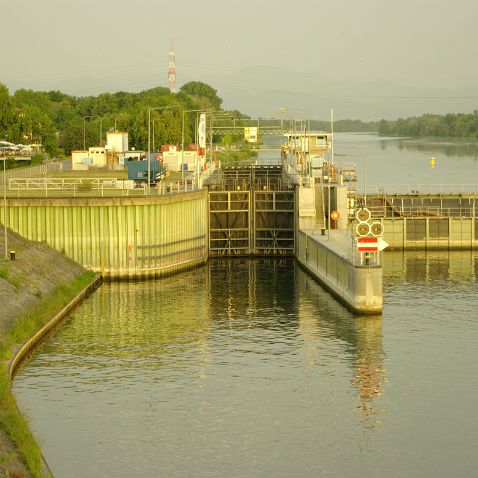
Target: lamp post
212,116
5,206
84,131
182,140
211,113
154,135
149,138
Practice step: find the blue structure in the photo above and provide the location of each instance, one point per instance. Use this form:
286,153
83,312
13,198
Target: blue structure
138,170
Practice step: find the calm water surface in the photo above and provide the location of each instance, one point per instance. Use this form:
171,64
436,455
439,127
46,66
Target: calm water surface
383,161
390,161
251,369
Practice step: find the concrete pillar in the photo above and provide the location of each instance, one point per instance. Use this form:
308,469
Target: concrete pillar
306,207
340,205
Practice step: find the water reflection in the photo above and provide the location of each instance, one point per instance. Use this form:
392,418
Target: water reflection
434,266
250,369
362,337
451,149
388,162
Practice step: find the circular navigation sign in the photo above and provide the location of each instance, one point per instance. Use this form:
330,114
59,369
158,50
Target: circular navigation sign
362,229
335,215
376,229
363,214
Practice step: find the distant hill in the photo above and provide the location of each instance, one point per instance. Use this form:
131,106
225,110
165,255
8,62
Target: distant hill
260,91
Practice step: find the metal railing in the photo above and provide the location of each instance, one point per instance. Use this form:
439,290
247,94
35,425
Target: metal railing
422,211
29,171
351,253
68,187
423,189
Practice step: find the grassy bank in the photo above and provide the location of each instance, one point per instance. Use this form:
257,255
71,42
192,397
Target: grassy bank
12,424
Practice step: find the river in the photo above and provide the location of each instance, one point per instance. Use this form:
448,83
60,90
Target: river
250,369
385,161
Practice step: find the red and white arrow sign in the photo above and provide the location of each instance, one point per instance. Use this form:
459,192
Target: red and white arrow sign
371,244
382,244
367,244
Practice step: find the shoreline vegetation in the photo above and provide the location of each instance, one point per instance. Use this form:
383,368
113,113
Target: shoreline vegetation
34,287
444,126
61,123
12,423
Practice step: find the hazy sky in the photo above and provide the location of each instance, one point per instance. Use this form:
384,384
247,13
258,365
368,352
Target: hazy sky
86,46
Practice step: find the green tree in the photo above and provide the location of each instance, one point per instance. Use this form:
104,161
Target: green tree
7,113
26,98
71,136
35,126
198,90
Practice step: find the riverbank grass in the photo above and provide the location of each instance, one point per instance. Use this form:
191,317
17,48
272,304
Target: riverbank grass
12,422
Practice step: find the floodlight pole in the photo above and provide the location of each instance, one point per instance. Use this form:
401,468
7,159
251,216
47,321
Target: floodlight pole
5,206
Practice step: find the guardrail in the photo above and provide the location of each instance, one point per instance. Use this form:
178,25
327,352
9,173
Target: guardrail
29,171
422,189
47,186
422,211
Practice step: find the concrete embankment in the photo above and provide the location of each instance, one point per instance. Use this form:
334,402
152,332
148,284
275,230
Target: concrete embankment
37,289
330,259
120,237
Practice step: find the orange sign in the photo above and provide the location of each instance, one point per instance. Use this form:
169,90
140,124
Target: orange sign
334,215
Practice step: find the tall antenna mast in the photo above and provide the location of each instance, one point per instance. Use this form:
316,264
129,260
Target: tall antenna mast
172,68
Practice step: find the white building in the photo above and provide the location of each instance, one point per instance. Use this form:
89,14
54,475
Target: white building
173,160
80,160
117,141
98,156
116,148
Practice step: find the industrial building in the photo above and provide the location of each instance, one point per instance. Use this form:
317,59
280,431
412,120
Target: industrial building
110,156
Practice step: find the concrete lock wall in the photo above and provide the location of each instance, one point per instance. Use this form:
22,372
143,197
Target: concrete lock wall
358,287
431,233
121,237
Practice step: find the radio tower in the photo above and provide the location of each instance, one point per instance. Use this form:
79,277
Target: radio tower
172,68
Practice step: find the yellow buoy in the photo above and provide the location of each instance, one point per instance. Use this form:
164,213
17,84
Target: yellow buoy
432,162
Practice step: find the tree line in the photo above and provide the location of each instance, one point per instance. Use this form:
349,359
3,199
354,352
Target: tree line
63,123
346,126
459,125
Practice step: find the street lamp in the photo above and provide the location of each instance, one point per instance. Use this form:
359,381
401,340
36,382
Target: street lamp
149,138
84,131
182,142
210,112
212,115
5,205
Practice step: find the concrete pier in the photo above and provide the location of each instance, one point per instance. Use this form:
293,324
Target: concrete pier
334,262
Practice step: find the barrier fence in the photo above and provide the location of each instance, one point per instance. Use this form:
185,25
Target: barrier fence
422,189
67,187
